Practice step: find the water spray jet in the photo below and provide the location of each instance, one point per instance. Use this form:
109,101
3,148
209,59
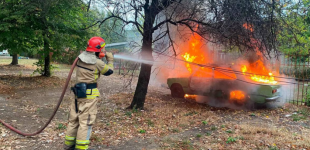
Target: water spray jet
133,58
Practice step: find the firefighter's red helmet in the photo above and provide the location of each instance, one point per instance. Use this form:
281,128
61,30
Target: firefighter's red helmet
95,44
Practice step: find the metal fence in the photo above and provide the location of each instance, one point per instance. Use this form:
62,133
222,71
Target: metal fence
122,67
295,69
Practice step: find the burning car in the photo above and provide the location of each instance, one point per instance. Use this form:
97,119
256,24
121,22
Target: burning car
242,81
225,84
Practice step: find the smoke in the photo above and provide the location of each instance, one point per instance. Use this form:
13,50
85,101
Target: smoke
214,102
206,81
286,92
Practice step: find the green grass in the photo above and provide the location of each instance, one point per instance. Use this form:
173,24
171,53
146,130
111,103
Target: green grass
128,113
175,130
61,126
301,114
7,61
213,128
273,148
60,67
229,131
208,133
204,122
231,140
190,113
142,131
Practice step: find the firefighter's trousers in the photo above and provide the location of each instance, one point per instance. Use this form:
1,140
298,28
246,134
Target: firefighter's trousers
80,124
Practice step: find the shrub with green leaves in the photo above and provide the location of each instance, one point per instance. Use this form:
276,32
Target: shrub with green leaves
307,97
204,122
198,135
61,126
231,140
142,131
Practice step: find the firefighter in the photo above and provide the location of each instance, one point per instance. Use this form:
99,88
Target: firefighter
83,109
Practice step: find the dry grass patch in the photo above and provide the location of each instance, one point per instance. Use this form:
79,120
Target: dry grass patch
11,83
162,117
268,135
181,144
28,64
202,125
256,136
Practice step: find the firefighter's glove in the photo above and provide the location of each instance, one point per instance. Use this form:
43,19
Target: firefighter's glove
109,57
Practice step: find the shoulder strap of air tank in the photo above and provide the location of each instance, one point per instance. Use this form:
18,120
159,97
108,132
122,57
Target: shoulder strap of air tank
84,67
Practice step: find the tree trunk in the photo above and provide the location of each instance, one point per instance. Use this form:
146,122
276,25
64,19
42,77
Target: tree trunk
146,53
14,60
141,89
47,70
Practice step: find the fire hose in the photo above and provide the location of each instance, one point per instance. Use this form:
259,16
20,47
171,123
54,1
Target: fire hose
55,110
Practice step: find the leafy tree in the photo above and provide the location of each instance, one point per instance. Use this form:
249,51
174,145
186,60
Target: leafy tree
294,36
44,26
16,33
48,27
219,21
59,24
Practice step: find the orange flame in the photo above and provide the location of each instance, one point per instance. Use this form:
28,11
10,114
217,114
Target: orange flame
248,27
189,58
194,53
258,68
238,96
186,96
243,69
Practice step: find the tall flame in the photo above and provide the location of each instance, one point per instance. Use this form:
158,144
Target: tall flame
189,58
193,52
258,68
243,69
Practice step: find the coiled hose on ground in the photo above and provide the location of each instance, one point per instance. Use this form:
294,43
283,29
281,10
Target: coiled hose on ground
55,110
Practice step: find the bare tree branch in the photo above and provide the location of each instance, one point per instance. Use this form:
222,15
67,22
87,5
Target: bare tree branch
88,5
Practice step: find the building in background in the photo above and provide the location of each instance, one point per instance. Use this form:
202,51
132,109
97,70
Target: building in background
4,53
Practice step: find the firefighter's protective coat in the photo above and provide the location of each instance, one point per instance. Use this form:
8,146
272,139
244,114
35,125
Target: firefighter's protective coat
80,123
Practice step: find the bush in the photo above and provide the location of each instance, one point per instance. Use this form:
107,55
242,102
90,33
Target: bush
40,67
231,140
307,97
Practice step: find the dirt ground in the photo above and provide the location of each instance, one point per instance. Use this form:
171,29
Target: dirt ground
27,101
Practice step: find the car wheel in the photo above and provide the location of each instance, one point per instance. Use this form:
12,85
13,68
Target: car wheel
219,94
177,91
260,105
250,105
